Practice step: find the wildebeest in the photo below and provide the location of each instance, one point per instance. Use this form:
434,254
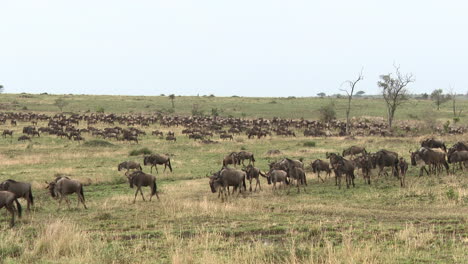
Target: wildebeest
129,165
366,164
274,176
226,136
171,138
24,138
320,165
403,165
385,158
7,132
243,155
20,189
6,200
157,159
341,166
231,159
294,170
221,180
458,156
253,173
354,150
297,174
416,160
157,133
433,143
63,186
434,158
140,179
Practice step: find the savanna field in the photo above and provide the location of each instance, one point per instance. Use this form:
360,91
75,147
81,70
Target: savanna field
425,222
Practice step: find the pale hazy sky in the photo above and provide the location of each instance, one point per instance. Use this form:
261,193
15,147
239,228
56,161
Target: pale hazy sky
242,47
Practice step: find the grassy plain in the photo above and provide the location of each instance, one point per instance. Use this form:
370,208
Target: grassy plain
426,222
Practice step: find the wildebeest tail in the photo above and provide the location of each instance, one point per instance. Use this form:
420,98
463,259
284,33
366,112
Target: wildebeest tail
31,198
18,206
82,194
286,180
243,183
169,164
140,167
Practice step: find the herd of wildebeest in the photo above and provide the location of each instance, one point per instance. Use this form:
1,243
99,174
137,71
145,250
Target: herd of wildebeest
433,157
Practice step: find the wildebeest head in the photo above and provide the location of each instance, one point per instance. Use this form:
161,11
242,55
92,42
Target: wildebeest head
146,160
51,187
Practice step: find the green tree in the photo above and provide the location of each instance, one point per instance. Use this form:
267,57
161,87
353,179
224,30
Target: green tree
60,103
360,93
172,97
394,91
321,95
439,98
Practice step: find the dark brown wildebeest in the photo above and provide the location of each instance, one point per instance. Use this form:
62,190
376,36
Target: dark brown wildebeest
231,159
416,160
63,186
253,173
433,157
20,189
13,122
129,165
140,179
157,159
365,163
130,138
458,156
23,138
385,158
274,176
354,150
341,166
221,180
226,136
243,155
433,143
157,133
6,200
320,165
403,165
7,132
297,174
171,138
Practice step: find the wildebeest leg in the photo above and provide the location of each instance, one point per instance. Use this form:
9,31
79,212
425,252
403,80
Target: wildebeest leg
83,201
259,187
141,192
11,209
67,201
136,193
318,175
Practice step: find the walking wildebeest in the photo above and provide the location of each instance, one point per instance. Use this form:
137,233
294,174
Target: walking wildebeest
139,179
20,189
7,132
385,158
433,157
320,165
253,173
274,176
403,169
129,165
243,155
6,200
416,160
341,166
354,150
221,180
231,159
63,186
157,159
458,156
23,138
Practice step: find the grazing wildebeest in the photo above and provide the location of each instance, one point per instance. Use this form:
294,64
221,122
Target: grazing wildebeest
6,200
157,133
20,189
23,138
7,132
294,169
433,143
63,186
320,165
221,180
433,157
231,159
226,136
171,138
243,155
385,158
274,176
458,156
253,173
157,159
354,150
341,166
130,138
139,179
129,165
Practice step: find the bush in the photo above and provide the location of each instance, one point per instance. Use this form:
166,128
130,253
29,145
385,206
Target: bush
100,109
144,151
98,143
309,144
456,120
452,194
327,112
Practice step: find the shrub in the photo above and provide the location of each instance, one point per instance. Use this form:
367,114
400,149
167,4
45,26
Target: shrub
144,151
452,194
309,144
98,143
100,109
327,112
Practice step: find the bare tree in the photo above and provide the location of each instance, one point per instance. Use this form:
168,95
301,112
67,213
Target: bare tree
350,92
394,91
172,97
453,96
